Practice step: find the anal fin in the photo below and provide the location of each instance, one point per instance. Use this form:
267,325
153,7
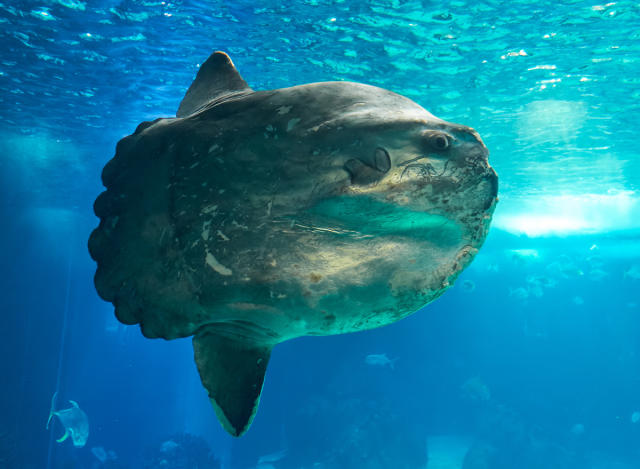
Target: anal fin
232,370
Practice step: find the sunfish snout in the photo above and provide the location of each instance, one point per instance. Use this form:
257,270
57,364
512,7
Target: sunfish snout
473,159
477,154
447,171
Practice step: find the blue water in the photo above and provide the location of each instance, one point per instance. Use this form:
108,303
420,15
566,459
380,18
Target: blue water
532,359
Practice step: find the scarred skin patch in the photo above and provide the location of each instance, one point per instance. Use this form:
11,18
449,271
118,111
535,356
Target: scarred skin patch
215,265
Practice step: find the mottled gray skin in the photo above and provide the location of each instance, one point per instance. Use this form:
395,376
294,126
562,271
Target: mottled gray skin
257,217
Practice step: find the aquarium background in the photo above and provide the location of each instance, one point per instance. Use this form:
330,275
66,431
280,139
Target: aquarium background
531,360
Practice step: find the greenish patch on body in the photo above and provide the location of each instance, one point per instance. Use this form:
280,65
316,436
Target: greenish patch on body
367,216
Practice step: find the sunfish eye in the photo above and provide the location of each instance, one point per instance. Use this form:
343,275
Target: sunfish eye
382,160
439,141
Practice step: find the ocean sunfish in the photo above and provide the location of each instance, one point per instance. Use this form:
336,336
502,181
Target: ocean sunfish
74,420
254,217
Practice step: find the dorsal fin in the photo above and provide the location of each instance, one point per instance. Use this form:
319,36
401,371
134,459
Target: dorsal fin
216,78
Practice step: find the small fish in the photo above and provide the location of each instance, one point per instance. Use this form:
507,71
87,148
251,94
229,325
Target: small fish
272,457
598,275
168,446
74,420
524,255
577,429
564,267
493,268
536,291
595,262
100,453
475,390
519,293
103,455
541,281
468,286
633,272
380,359
635,417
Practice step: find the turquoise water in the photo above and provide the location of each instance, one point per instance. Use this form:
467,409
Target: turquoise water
532,359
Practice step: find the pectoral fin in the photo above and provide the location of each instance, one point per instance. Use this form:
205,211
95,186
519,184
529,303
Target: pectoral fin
232,370
361,173
63,437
